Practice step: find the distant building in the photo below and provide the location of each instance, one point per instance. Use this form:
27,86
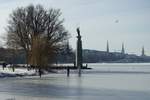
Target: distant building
123,49
107,48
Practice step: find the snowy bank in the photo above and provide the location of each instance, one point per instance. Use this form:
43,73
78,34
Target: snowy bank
7,72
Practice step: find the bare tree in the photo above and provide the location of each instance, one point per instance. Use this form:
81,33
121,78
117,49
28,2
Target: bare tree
38,31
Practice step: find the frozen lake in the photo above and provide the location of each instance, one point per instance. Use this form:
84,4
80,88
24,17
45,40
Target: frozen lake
103,82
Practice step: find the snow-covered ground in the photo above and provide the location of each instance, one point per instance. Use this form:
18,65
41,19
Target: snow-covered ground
8,72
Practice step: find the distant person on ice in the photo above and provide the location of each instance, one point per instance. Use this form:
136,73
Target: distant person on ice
4,65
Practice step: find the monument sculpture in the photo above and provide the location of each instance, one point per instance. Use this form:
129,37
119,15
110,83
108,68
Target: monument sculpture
79,52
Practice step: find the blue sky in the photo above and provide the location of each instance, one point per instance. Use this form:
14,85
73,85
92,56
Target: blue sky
97,21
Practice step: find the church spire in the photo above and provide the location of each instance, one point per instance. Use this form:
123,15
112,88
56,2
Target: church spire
123,50
107,47
143,51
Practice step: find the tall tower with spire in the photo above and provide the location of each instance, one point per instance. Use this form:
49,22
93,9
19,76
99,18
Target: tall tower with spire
123,50
107,48
143,51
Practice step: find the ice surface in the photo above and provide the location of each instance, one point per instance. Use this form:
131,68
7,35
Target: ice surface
93,86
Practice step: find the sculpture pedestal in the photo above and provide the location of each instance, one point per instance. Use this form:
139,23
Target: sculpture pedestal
79,55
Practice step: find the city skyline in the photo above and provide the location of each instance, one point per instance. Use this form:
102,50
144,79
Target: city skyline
118,21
